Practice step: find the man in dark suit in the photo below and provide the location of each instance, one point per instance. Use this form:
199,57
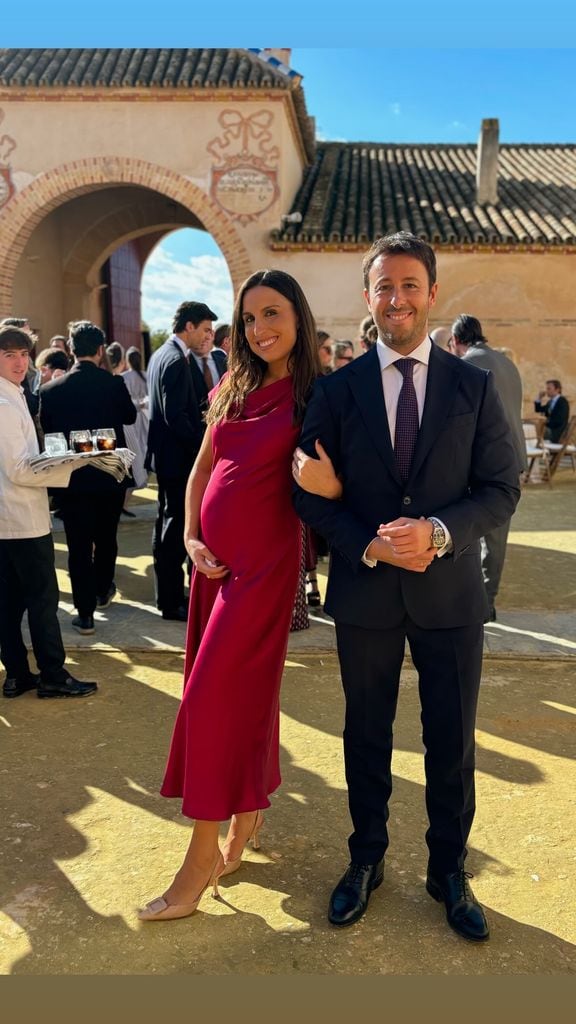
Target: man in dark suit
83,399
423,449
180,374
467,342
556,409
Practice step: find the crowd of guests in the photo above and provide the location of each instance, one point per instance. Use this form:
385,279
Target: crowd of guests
225,418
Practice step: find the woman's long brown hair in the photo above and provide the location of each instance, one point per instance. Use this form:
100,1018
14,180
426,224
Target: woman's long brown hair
246,370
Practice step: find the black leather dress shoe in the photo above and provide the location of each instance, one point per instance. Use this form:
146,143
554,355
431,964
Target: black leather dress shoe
83,624
463,912
350,898
15,686
176,614
70,687
106,600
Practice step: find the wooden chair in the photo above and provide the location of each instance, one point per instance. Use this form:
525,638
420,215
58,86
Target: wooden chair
536,454
564,448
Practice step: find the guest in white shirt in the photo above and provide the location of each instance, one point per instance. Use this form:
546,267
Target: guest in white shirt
27,572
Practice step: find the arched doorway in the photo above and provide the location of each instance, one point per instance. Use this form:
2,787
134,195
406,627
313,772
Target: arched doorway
59,231
185,264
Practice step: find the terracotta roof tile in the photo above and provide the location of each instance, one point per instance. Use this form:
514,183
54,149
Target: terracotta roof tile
354,192
142,68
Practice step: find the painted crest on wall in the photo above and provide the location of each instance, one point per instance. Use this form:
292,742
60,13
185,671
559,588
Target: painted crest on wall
7,146
245,175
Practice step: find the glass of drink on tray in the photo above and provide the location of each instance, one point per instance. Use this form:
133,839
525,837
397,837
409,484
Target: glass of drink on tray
105,439
81,440
55,444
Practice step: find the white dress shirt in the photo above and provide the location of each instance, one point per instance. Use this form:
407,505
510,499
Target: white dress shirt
392,381
211,366
24,511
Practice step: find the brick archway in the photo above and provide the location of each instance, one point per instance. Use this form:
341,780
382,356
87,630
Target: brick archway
28,208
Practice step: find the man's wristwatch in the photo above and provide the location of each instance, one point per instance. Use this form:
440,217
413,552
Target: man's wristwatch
438,539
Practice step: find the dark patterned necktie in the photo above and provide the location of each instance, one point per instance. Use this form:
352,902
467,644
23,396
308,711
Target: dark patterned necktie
207,375
406,432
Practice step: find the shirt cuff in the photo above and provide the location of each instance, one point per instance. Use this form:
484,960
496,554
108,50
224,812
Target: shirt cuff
370,562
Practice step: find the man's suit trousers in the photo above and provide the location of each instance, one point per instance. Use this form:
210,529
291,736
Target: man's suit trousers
448,663
28,584
91,525
168,551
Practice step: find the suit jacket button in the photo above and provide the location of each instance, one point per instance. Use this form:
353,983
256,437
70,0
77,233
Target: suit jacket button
406,500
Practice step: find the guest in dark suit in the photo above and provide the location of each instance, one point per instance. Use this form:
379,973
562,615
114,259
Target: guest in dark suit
222,339
28,581
555,408
423,449
180,374
467,342
83,399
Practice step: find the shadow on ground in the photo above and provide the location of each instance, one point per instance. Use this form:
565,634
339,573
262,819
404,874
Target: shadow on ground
87,839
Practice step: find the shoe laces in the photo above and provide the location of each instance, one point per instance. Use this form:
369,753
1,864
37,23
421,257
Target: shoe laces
465,890
356,871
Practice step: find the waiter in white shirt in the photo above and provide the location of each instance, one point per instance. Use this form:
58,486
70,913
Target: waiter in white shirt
27,573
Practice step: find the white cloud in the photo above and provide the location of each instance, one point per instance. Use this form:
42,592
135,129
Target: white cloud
321,136
457,124
166,282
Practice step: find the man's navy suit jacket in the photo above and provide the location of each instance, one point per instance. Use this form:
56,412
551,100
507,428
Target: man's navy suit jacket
83,399
464,471
177,402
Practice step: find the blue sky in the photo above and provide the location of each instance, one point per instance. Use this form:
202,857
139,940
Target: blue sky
367,94
432,73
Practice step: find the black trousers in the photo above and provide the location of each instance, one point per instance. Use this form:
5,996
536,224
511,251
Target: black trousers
28,584
91,525
168,551
449,663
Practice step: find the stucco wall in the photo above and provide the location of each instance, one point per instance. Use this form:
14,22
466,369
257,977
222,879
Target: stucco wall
525,302
233,161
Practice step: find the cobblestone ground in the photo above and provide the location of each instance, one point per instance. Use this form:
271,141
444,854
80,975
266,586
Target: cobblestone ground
86,838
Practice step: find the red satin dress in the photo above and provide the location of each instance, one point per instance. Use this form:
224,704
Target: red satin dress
224,756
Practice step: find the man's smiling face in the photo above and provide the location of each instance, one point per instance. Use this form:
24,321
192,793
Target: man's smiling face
400,298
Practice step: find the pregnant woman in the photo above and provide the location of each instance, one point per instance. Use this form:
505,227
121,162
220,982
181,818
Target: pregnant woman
243,537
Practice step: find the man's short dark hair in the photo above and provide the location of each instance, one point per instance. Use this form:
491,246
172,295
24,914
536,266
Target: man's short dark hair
14,321
220,334
193,312
401,243
14,338
53,358
556,384
85,338
467,330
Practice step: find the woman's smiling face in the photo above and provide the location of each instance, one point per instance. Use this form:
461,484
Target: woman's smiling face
270,326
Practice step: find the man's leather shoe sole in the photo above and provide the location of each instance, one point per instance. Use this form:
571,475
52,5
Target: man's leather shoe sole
463,912
16,687
349,900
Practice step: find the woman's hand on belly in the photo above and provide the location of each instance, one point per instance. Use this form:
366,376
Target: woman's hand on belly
203,559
